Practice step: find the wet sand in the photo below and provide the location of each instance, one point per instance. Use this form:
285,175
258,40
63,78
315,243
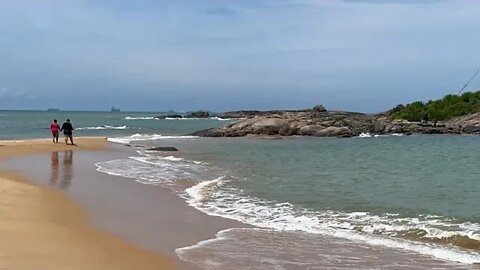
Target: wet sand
14,148
147,216
41,228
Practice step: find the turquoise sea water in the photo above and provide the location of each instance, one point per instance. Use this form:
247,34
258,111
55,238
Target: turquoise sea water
35,124
403,202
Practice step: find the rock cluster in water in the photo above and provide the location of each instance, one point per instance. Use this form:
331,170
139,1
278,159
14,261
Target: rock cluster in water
197,114
322,123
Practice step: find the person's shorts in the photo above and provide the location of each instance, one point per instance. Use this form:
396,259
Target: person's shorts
55,133
67,132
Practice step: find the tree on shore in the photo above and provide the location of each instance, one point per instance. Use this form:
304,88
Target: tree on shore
436,110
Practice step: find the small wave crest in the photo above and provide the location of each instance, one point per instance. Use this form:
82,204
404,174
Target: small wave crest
102,127
168,171
139,118
369,135
201,191
294,250
215,199
209,118
150,170
218,197
146,137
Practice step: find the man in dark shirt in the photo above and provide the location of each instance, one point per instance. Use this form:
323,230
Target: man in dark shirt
68,131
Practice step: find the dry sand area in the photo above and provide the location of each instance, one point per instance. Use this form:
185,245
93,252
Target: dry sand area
41,228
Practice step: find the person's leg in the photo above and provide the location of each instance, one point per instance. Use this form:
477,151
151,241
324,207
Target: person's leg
66,138
71,139
56,137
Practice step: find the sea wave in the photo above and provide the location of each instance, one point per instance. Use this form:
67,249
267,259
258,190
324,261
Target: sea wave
369,135
156,170
102,127
146,137
296,250
139,118
217,199
150,170
210,118
425,234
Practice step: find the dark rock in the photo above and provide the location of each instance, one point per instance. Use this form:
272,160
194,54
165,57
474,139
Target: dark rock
213,132
134,145
169,116
163,148
471,129
198,114
319,108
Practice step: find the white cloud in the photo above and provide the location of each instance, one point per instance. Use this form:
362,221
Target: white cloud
342,49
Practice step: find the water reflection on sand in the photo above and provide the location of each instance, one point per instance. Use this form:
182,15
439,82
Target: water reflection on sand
65,173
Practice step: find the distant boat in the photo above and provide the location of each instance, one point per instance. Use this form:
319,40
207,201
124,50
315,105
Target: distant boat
113,109
53,110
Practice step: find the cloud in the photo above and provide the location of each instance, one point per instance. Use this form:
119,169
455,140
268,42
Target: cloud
345,55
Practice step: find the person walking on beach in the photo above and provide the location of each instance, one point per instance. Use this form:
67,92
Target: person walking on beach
68,131
54,128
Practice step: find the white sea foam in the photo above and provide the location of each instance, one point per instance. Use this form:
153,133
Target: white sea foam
365,135
369,135
201,191
225,119
294,250
172,158
139,118
146,137
150,170
217,198
212,198
102,127
193,118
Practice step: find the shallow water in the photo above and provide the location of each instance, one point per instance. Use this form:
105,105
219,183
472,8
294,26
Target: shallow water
415,195
373,203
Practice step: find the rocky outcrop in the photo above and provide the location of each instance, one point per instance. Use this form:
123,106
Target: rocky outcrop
319,108
169,116
163,148
322,123
197,114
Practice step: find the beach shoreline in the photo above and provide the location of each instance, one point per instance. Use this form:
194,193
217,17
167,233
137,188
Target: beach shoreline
42,228
150,217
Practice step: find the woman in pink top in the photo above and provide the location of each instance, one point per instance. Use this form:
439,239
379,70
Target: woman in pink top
54,127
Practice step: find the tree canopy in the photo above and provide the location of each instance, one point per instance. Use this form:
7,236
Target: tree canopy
442,109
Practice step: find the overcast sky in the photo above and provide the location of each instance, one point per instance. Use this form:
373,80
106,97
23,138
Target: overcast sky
226,55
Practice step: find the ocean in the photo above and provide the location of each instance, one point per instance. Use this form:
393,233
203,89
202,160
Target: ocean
373,202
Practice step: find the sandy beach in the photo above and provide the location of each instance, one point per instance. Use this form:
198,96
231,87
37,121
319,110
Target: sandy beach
42,228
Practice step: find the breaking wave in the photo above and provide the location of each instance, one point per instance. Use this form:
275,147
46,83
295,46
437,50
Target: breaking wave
146,137
102,127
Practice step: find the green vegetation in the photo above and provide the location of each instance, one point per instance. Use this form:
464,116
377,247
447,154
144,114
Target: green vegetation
442,109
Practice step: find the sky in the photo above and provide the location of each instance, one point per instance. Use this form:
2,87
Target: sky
148,55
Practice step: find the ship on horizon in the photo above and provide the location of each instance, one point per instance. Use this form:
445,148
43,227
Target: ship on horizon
113,109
